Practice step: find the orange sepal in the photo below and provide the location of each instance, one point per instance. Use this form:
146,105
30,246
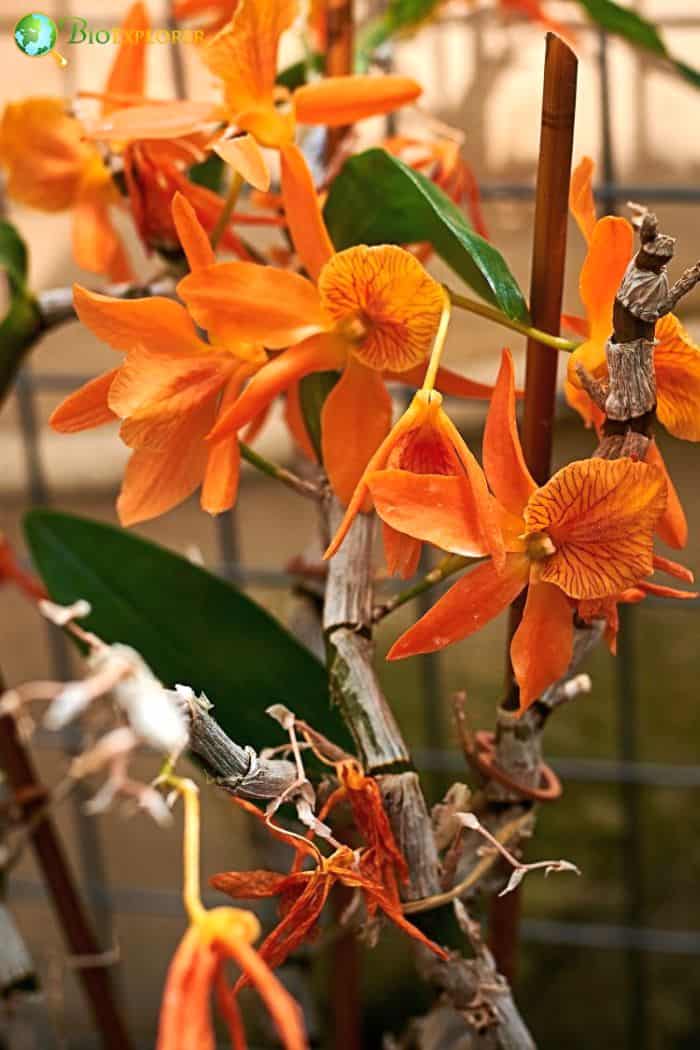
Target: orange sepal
154,120
677,366
97,246
355,419
222,472
294,418
246,302
401,553
193,238
542,645
504,462
158,323
581,202
87,407
185,1016
337,101
601,516
673,525
609,253
447,382
128,72
471,602
303,213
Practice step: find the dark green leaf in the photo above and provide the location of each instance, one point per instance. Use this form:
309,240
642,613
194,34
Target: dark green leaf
637,30
189,625
22,322
313,391
376,199
210,173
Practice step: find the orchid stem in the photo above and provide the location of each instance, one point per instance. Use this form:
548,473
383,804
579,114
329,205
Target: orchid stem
439,343
447,567
191,895
475,307
273,470
227,210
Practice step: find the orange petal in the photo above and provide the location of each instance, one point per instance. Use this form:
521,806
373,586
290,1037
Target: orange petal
193,238
303,213
673,526
335,101
220,485
97,246
601,516
543,643
244,53
294,418
609,253
185,1016
42,152
245,157
86,407
673,568
164,120
358,405
504,463
476,598
437,508
156,481
402,553
128,72
578,325
319,354
677,364
389,292
578,399
581,200
447,382
667,592
253,304
161,325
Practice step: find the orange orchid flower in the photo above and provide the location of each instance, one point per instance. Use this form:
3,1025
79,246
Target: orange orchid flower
586,534
51,167
372,313
213,938
375,870
676,358
167,392
426,442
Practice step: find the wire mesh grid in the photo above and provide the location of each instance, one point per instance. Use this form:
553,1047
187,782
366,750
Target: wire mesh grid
626,771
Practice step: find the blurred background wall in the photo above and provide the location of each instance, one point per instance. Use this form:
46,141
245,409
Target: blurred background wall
612,955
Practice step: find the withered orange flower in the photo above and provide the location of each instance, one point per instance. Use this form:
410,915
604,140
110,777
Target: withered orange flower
586,534
167,392
375,869
676,357
50,167
372,313
425,441
12,572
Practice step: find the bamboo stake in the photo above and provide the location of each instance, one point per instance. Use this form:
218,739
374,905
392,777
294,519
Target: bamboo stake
340,41
77,930
546,293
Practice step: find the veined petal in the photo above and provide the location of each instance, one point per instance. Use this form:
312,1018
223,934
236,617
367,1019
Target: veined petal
154,120
87,407
156,481
335,101
601,516
542,646
437,508
303,213
320,354
673,525
504,463
402,553
581,202
244,53
677,365
250,303
159,324
244,156
358,406
609,253
387,290
193,237
471,602
128,72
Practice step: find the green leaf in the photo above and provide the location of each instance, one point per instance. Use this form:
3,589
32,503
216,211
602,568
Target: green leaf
637,30
22,322
209,173
313,391
401,16
376,199
190,626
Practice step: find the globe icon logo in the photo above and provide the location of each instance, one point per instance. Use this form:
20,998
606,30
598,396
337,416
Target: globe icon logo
35,35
